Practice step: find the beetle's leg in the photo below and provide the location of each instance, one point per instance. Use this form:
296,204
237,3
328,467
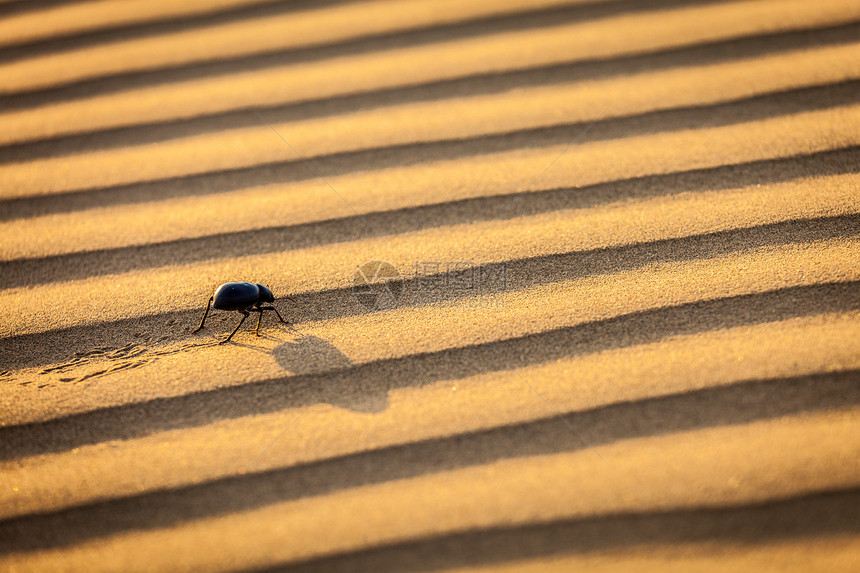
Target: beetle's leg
259,320
276,312
205,314
245,313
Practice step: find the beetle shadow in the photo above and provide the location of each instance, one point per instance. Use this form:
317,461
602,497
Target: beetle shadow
309,355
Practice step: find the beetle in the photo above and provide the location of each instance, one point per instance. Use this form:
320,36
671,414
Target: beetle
244,298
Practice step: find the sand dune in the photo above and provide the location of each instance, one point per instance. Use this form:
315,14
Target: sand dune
802,78
622,329
230,39
406,66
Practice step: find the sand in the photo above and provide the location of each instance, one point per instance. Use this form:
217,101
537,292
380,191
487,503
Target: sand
620,329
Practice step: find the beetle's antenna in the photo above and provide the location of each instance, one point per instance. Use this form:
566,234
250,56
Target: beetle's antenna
205,314
292,300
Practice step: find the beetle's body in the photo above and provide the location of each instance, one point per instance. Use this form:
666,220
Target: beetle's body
241,296
244,298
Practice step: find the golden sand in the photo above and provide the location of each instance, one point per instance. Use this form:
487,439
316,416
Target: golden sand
652,364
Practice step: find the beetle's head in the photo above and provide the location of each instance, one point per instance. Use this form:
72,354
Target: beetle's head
265,294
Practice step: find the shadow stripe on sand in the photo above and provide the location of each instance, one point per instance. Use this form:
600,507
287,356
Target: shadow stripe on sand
738,403
813,516
475,84
372,42
365,387
43,270
142,29
59,345
731,113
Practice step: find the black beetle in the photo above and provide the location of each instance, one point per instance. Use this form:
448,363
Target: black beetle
244,298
